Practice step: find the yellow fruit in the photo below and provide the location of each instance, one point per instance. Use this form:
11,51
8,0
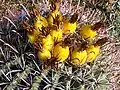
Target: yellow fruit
69,26
40,22
48,42
92,52
56,35
78,57
32,33
55,15
94,49
87,32
32,36
60,53
44,54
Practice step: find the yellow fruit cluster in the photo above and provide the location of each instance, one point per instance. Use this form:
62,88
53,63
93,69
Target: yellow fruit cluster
49,34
